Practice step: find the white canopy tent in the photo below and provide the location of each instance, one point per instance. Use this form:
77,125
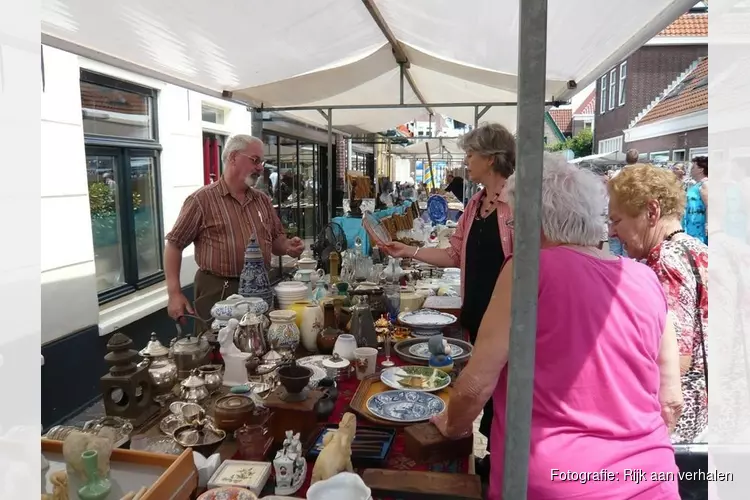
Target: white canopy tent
602,160
330,56
335,53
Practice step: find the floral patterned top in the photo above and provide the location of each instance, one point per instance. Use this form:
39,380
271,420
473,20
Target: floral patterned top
674,262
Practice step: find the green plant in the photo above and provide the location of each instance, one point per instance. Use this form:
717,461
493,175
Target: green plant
581,144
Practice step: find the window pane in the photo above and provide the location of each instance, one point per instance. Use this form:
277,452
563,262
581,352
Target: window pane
115,113
105,221
145,215
212,115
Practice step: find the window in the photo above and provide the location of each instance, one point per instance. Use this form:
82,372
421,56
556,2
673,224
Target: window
122,166
610,145
678,155
659,157
588,125
623,78
698,152
612,88
211,114
603,95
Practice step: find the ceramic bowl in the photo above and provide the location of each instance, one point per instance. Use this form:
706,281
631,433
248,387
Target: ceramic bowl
294,378
228,493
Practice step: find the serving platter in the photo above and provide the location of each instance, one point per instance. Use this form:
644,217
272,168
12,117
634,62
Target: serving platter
404,406
415,378
421,350
426,322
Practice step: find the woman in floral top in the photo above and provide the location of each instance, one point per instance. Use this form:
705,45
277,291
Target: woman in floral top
646,208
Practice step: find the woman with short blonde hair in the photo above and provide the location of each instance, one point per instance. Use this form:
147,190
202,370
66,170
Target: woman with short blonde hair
646,206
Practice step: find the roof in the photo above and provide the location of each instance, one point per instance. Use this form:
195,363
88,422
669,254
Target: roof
317,58
563,119
689,96
688,25
588,106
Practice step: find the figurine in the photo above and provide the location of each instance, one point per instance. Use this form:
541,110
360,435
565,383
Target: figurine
290,466
59,482
235,373
336,455
441,354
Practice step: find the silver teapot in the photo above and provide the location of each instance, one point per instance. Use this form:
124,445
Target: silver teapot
193,389
189,352
161,368
248,337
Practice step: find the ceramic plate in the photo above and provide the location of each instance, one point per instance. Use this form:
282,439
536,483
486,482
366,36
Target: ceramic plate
405,406
375,229
230,493
437,208
421,350
415,378
315,363
426,319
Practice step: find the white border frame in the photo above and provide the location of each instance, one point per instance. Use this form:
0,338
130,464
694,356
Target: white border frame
676,125
622,82
683,151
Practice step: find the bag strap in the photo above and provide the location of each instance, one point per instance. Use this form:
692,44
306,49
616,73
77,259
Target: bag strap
698,294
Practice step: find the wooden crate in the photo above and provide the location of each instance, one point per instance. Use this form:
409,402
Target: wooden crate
172,477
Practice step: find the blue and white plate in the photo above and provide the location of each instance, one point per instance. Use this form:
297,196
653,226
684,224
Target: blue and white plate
405,406
437,209
422,350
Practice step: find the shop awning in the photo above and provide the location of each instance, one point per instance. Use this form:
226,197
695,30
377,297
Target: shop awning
335,52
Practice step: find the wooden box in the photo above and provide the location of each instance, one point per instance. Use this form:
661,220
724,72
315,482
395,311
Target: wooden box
423,443
167,476
298,417
418,485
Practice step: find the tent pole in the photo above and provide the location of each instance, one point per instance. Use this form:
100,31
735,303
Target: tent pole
401,82
532,52
404,106
329,160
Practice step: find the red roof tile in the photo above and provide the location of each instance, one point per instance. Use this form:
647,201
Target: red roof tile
689,96
690,24
588,106
563,118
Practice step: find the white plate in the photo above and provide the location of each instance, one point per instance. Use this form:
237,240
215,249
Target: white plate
392,377
421,350
427,319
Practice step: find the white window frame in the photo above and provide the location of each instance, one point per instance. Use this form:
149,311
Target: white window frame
610,145
651,156
612,88
603,95
623,81
684,153
697,152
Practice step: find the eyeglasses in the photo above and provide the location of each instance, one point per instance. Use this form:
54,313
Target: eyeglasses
256,160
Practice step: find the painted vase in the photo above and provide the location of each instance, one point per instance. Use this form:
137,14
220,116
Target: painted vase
283,332
96,487
312,324
254,280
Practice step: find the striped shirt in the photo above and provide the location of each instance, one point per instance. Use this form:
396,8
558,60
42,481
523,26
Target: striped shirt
220,226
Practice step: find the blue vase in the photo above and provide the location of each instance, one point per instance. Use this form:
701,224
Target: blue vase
254,280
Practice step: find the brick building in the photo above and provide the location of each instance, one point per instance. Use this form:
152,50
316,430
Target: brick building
634,85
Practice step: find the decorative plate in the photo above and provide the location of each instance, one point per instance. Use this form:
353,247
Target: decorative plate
421,350
315,363
375,229
405,406
242,474
426,322
415,378
229,493
401,349
437,208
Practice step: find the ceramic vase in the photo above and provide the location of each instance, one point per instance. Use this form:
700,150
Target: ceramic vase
96,487
283,332
345,345
312,324
254,277
299,307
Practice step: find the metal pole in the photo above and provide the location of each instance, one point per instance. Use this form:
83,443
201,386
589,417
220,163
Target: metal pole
403,106
532,57
329,158
401,80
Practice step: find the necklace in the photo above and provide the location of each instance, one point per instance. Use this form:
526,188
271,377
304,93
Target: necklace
673,234
484,212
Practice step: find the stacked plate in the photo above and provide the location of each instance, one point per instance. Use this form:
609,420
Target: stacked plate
289,292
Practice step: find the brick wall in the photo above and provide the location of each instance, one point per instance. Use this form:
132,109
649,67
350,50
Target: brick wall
650,70
684,140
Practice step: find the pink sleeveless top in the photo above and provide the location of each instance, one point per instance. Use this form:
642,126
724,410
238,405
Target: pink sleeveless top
596,411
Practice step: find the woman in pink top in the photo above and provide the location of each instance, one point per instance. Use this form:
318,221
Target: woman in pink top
606,361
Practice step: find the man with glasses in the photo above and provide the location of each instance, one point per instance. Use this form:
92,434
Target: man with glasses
220,219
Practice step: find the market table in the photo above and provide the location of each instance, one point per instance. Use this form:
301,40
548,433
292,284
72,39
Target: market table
397,460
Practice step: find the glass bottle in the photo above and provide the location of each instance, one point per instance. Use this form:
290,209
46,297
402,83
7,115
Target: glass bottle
334,261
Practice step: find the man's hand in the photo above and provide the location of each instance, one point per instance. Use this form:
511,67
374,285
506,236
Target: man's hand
295,247
398,250
177,306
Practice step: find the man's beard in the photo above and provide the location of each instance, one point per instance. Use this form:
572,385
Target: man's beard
251,180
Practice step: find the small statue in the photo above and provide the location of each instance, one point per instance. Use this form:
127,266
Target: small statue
290,466
59,482
336,455
226,338
441,354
